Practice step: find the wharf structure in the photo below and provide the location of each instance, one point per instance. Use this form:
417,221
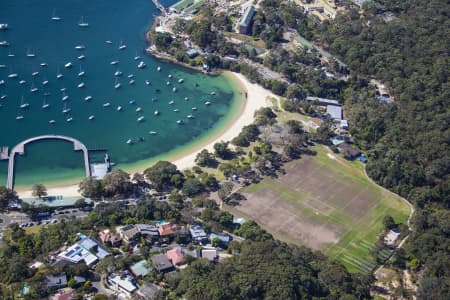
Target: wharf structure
20,150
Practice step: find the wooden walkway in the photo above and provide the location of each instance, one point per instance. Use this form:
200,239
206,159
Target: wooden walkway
20,149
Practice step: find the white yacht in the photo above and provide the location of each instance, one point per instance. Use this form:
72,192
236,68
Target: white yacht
140,119
181,80
122,46
4,43
35,73
168,83
194,108
59,75
81,73
130,75
132,81
65,109
147,82
119,108
179,122
22,81
19,117
80,47
174,89
114,62
33,89
68,65
52,122
65,97
69,119
11,54
186,98
4,26
30,54
108,42
45,105
4,96
141,65
170,75
171,102
117,84
118,73
190,116
138,109
156,113
207,103
83,23
130,141
81,85
55,17
152,132
45,82
91,117
24,104
88,98
81,57
176,110
43,64
107,104
158,69
12,75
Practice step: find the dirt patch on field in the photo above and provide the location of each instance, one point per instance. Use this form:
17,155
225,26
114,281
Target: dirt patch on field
303,205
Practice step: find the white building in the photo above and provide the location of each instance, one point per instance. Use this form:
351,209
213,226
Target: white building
123,283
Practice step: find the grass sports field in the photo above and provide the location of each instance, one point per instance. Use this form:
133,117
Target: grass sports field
326,203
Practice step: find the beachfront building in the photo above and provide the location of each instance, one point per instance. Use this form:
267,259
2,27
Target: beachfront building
246,21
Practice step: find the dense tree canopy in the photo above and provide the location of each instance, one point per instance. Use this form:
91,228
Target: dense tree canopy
161,174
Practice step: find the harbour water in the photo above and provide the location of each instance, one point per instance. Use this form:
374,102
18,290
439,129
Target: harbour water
92,112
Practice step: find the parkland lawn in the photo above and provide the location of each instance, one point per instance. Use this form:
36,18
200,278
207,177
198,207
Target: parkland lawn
327,203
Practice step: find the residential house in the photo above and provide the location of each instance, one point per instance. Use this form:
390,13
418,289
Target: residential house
150,232
198,234
175,255
344,124
128,233
246,21
348,151
86,250
210,254
335,112
123,283
192,53
161,263
64,294
222,238
166,230
109,237
195,253
140,269
148,291
392,237
56,281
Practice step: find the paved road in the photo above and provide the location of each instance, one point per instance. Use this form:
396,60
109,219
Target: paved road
21,218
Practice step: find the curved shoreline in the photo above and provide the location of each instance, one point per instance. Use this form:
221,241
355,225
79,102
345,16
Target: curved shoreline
185,158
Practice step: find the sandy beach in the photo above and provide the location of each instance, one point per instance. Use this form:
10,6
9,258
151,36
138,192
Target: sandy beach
257,97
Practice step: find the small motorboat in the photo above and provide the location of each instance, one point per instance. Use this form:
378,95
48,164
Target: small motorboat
22,81
44,64
69,119
138,109
207,103
80,47
83,23
152,132
87,98
107,104
81,57
181,80
81,85
118,73
176,110
108,42
132,101
122,46
114,62
12,75
147,82
132,81
19,117
119,108
140,119
158,69
156,113
52,121
190,116
68,65
35,73
141,65
171,102
180,122
194,108
45,82
91,117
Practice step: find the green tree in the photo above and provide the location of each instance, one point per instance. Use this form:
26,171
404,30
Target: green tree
222,151
39,190
161,174
91,188
6,195
117,183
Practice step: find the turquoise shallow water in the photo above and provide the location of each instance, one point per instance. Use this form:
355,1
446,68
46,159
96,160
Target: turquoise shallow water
32,31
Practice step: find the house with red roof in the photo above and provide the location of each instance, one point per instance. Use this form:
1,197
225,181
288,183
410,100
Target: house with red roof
175,255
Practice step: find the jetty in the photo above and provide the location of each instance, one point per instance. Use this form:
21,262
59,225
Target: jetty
20,150
160,7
